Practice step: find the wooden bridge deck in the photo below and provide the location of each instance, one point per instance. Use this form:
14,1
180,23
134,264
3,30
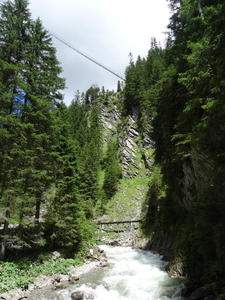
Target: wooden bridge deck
119,222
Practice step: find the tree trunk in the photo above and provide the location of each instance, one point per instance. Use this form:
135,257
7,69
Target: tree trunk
200,10
37,209
4,238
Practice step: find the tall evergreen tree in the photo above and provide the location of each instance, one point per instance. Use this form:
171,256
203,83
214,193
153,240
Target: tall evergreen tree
133,91
90,159
87,134
189,135
113,171
30,85
66,218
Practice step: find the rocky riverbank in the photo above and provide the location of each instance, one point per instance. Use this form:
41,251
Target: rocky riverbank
193,289
95,259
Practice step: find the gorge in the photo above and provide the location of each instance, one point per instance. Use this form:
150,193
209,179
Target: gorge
153,150
129,274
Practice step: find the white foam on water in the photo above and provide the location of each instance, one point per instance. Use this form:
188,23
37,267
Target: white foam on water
134,275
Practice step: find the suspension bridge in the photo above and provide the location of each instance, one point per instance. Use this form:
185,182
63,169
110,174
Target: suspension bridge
118,226
79,51
83,54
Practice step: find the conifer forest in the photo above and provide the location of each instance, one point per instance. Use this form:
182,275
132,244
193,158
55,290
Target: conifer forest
57,170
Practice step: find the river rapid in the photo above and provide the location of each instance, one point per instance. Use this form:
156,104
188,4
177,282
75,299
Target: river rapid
132,274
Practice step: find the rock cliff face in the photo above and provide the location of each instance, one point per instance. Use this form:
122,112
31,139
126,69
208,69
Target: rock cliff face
198,173
195,176
134,146
197,194
132,143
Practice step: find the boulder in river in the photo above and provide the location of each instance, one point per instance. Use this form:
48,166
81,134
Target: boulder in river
56,278
167,291
59,286
114,243
82,296
73,279
59,297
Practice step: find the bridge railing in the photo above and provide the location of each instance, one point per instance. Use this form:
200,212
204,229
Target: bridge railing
118,222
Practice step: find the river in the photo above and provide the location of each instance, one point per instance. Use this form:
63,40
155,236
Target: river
132,274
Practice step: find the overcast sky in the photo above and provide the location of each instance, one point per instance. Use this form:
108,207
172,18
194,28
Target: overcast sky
105,30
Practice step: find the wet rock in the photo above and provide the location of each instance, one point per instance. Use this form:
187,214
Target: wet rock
88,296
107,286
114,243
103,258
73,279
103,265
84,269
175,268
16,294
42,281
96,249
81,296
56,278
8,296
59,286
60,297
167,291
200,294
77,296
94,253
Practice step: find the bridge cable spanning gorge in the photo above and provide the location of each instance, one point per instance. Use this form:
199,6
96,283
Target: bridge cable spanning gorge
85,55
79,51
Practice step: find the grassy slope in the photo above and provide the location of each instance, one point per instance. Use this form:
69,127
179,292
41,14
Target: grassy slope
127,203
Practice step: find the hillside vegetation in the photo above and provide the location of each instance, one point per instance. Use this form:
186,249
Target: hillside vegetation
154,148
182,88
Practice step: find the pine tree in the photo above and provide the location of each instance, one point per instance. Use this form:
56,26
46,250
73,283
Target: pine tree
14,18
119,89
113,170
90,159
91,94
66,218
30,85
133,85
189,132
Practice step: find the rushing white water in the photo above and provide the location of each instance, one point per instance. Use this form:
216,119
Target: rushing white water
133,274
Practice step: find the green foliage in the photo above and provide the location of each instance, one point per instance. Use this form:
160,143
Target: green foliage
153,202
190,117
113,170
107,236
52,157
132,190
182,88
44,146
92,94
21,273
27,102
142,78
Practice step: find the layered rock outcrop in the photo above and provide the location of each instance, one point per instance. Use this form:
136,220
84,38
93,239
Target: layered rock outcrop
133,142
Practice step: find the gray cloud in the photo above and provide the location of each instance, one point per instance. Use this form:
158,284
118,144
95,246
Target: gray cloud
107,31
